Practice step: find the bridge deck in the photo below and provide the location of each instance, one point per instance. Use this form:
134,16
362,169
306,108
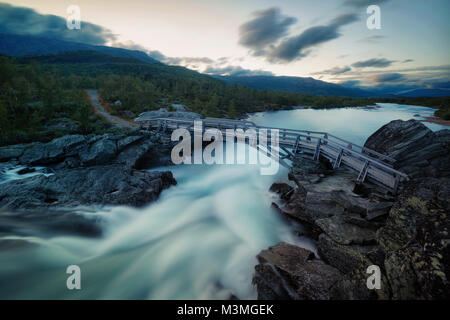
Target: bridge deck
369,164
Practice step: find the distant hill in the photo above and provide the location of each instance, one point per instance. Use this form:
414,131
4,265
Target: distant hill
296,85
425,93
20,45
94,63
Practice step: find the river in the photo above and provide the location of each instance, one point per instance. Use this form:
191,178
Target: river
198,241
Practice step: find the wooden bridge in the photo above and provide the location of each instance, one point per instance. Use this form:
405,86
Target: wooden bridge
368,164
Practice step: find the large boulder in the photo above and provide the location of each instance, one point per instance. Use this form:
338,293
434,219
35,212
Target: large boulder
105,185
418,151
286,271
54,151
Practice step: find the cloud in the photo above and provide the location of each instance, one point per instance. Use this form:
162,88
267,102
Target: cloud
350,83
297,47
335,71
156,54
25,21
386,77
407,60
363,3
373,39
236,71
373,63
266,28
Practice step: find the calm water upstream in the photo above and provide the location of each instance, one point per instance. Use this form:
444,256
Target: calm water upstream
198,241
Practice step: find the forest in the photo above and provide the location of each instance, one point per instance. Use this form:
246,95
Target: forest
39,94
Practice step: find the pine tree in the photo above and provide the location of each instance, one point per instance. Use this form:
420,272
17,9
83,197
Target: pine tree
231,112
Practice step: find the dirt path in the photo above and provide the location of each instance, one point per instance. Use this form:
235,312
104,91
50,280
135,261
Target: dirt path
100,110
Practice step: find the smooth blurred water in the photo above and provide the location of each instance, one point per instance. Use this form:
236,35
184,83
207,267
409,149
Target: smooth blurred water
198,241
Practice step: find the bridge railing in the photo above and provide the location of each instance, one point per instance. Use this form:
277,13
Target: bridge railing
372,157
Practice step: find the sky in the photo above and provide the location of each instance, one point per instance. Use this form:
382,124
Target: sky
327,39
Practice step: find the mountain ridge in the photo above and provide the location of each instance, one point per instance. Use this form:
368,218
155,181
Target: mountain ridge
17,45
302,85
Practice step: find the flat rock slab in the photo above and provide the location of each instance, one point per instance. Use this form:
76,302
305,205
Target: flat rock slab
346,233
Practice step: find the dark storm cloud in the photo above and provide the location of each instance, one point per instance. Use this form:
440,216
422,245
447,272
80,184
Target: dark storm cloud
386,77
25,21
363,3
297,47
373,63
235,71
267,27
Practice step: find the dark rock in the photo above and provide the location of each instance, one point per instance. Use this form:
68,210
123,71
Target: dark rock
353,286
345,258
286,271
284,190
304,166
111,184
378,210
48,223
350,203
346,233
126,141
359,221
26,170
99,153
13,152
416,242
52,152
321,205
418,151
137,155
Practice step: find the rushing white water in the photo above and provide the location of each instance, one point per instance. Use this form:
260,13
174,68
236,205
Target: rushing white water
198,241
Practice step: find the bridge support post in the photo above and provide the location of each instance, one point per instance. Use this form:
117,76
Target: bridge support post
363,173
297,144
317,153
338,160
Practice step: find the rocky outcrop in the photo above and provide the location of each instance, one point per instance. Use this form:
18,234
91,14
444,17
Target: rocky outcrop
418,151
111,184
289,272
89,170
92,150
406,236
416,241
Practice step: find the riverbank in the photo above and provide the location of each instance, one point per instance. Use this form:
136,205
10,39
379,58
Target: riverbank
405,236
437,120
87,170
